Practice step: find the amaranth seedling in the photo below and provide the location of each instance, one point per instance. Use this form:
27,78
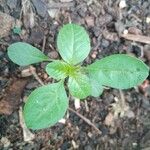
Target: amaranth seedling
47,104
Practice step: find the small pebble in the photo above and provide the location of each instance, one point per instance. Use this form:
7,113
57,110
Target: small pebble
90,21
130,114
96,31
77,103
134,144
66,1
32,85
45,76
1,53
53,13
41,7
122,4
125,32
6,71
37,35
104,43
134,30
148,20
90,134
5,141
63,121
12,3
6,24
75,146
53,54
94,54
26,72
112,36
88,147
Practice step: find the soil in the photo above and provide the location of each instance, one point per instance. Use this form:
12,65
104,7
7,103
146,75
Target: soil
104,20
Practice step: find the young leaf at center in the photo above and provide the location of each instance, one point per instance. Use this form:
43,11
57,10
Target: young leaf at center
45,106
57,69
73,43
60,70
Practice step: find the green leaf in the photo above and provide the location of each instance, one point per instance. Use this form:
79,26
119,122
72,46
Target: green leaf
79,85
57,69
97,88
73,43
60,69
119,71
25,54
45,106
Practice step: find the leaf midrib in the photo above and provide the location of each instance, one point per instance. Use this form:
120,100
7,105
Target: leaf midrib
116,70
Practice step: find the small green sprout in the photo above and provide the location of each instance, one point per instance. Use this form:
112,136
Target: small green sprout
47,104
17,30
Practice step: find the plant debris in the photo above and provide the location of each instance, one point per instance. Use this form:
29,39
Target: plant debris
11,100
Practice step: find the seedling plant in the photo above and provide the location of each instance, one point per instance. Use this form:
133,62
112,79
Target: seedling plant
47,104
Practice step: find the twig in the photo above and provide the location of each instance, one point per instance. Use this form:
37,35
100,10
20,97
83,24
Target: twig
86,106
86,120
27,13
44,42
122,99
60,5
50,45
98,41
136,17
76,103
32,69
27,135
137,38
69,18
121,106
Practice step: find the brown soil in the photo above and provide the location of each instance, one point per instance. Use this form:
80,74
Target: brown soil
105,21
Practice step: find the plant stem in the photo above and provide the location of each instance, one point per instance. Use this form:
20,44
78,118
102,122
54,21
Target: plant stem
76,103
122,99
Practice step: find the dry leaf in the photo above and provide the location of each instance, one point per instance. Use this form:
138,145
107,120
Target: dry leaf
28,15
6,24
11,100
27,135
109,120
66,1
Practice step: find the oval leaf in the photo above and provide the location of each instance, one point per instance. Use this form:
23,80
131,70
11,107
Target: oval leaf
73,43
25,54
79,86
57,69
119,71
45,106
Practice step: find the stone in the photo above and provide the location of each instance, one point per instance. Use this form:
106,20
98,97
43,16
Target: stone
5,141
12,4
40,7
90,21
6,24
53,54
66,1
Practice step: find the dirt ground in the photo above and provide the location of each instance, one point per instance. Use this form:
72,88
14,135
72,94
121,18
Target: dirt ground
37,22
